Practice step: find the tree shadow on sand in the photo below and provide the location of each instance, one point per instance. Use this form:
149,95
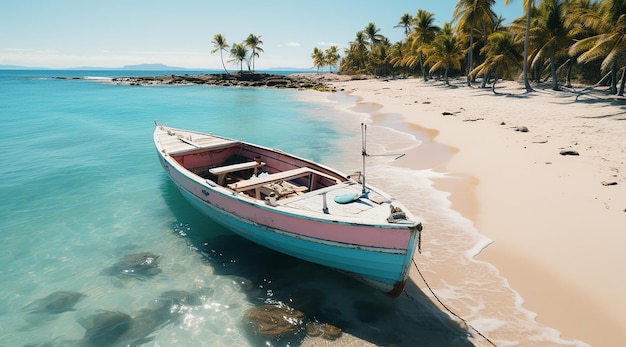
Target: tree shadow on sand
323,295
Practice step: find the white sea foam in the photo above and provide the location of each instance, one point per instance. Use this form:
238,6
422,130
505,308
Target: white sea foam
98,78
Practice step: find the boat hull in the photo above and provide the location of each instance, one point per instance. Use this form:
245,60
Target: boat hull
380,256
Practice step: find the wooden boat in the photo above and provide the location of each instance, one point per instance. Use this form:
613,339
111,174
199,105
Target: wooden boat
293,205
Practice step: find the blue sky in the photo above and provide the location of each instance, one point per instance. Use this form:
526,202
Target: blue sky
114,33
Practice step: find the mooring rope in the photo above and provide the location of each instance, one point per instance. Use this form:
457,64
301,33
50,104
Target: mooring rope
448,309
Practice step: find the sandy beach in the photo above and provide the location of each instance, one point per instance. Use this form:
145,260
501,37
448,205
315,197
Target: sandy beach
556,220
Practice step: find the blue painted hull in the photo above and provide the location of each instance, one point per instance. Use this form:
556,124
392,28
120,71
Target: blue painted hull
378,269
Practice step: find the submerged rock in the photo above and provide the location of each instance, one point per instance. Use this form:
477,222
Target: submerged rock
104,328
114,328
140,265
274,321
57,302
329,332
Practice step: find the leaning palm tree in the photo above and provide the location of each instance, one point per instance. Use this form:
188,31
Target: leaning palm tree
219,44
239,53
610,44
528,5
424,31
254,42
318,58
444,53
469,14
502,57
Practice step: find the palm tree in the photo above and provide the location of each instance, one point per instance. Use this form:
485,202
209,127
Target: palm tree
497,26
239,53
424,31
579,21
371,31
219,44
254,42
318,58
405,22
379,62
444,52
331,57
610,43
398,55
549,36
502,57
528,5
356,55
469,14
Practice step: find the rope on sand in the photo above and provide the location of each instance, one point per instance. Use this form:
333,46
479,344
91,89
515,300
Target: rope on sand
448,309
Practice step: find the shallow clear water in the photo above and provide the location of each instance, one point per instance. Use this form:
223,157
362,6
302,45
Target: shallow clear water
81,188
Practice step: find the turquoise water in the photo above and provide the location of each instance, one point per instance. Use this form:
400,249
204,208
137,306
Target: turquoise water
81,188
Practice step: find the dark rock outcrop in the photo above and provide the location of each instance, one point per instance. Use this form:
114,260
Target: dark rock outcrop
246,79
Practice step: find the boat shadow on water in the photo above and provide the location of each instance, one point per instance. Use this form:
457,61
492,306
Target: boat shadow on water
324,296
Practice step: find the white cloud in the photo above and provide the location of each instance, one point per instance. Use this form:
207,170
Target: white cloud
326,44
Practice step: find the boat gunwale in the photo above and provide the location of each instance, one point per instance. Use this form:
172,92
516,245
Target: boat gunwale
282,206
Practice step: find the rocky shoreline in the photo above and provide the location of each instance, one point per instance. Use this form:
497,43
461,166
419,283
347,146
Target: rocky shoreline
297,81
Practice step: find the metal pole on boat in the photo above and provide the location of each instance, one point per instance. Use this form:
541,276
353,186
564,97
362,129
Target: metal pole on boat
325,205
363,153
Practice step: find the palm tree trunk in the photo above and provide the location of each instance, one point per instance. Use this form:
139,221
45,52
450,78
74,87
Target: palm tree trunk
253,53
486,78
422,67
470,58
482,56
555,82
614,78
526,84
570,65
222,58
621,86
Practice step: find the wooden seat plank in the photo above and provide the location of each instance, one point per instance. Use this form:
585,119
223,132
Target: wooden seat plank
221,171
258,182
